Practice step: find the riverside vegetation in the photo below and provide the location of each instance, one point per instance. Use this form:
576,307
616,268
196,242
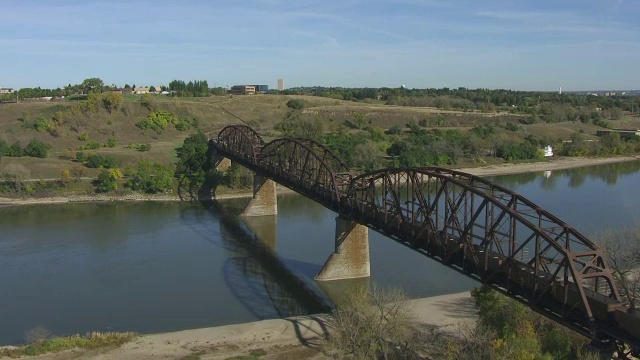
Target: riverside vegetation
107,142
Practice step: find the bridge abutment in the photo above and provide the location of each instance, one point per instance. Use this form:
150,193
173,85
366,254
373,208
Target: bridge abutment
350,259
265,201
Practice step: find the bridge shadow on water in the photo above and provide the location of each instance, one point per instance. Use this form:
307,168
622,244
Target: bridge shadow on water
258,279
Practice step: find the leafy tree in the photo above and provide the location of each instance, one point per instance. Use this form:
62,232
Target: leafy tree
368,156
37,148
151,178
112,101
102,161
108,180
520,151
152,89
194,171
92,85
80,157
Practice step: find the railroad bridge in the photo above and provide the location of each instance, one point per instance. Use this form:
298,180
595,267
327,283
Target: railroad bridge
480,229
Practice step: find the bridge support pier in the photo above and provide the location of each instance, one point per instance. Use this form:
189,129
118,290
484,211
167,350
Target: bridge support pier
350,260
264,200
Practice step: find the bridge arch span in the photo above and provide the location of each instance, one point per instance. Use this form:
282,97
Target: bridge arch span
489,232
242,141
305,164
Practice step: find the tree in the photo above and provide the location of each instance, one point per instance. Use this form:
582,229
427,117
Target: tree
152,89
15,174
112,101
622,247
371,324
108,180
368,156
194,171
37,149
92,85
295,104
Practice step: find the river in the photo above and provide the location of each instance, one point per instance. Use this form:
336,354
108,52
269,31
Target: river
156,267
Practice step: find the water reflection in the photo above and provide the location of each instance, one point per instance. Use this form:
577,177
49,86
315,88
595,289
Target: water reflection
256,277
609,174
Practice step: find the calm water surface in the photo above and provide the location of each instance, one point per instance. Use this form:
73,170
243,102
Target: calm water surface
153,267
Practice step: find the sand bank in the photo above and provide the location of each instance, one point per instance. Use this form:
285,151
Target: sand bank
292,338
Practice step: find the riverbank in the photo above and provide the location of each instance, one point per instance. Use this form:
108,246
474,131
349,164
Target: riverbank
560,163
493,170
292,338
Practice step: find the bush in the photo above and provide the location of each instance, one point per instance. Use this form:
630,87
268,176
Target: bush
157,121
112,142
102,161
521,151
296,104
112,101
151,178
394,130
108,180
37,149
80,157
372,324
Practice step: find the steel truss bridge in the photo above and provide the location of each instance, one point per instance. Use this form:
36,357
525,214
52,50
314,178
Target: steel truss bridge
483,230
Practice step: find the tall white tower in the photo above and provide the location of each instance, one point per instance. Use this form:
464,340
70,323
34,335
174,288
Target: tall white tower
560,90
281,84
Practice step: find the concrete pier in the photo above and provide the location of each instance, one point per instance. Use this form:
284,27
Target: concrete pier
351,257
264,200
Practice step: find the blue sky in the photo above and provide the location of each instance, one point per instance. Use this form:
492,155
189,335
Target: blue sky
522,45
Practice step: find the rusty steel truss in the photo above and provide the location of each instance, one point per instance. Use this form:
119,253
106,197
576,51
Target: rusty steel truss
481,229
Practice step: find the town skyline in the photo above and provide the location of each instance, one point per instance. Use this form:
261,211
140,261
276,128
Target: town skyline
581,46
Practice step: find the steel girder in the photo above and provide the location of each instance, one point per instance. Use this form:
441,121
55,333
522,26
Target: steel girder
242,141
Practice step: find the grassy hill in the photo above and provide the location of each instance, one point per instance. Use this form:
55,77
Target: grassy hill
69,129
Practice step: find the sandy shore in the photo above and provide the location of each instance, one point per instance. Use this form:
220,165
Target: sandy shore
548,165
293,338
502,169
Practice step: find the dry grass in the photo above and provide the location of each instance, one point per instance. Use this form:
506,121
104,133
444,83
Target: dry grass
215,112
88,341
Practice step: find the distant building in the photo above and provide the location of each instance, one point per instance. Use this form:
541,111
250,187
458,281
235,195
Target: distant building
115,91
548,151
262,88
280,84
140,90
6,91
242,90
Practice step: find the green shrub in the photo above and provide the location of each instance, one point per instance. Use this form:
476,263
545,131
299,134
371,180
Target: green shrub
394,130
80,157
157,121
37,149
296,104
104,161
521,151
108,180
112,142
92,145
151,178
